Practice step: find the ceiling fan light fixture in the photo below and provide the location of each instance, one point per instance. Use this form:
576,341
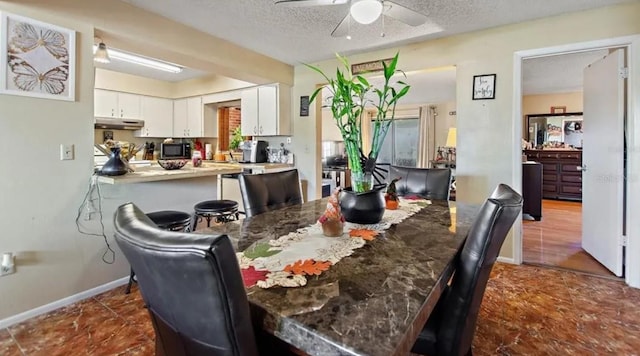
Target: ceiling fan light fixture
100,55
366,11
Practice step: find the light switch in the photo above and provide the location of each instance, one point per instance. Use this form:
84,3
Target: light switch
66,152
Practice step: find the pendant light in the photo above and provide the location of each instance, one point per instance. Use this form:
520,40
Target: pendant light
101,55
366,11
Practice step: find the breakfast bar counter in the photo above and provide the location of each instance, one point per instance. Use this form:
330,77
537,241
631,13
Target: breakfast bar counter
156,173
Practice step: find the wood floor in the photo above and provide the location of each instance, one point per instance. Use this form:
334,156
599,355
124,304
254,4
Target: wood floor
556,239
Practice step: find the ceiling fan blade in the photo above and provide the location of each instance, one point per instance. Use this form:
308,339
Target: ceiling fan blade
342,29
403,14
306,3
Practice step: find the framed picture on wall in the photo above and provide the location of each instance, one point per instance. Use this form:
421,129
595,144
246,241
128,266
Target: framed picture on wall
484,87
558,110
37,58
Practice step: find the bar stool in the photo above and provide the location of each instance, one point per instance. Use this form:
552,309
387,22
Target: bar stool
220,210
166,220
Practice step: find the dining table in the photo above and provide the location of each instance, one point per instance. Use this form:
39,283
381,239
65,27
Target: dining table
373,302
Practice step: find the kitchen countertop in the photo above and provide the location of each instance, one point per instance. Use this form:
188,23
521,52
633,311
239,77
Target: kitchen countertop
209,168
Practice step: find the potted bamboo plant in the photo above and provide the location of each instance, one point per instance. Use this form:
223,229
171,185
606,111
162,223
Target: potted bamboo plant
351,97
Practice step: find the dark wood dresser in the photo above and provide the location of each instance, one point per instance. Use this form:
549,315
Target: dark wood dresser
561,177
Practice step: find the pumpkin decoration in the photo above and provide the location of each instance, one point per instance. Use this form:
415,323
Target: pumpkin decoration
391,197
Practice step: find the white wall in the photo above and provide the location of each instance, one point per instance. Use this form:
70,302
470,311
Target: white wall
485,156
39,194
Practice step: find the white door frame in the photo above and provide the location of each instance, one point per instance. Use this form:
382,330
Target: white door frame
632,44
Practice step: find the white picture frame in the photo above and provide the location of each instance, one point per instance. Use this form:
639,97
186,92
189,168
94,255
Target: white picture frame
40,62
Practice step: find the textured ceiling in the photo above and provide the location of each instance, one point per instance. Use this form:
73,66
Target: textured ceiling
557,74
303,34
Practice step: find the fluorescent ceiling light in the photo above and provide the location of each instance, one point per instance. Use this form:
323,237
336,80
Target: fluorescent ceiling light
143,61
366,11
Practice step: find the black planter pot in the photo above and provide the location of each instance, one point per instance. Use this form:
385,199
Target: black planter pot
363,208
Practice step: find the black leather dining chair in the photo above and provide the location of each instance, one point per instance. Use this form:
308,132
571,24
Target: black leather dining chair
191,285
429,183
269,191
451,326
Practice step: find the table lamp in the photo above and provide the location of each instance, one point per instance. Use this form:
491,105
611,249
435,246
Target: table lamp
451,138
451,144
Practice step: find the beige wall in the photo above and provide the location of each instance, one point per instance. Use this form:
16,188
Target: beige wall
542,103
485,155
207,85
106,79
40,195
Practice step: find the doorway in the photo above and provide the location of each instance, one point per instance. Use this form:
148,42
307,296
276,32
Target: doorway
630,186
553,146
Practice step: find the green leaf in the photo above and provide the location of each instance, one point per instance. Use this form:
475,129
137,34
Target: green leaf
261,249
363,81
315,93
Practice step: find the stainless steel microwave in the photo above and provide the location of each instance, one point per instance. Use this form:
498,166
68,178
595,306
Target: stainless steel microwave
175,151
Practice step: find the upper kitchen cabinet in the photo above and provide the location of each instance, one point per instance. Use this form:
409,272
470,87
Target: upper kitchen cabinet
266,110
189,119
117,105
157,114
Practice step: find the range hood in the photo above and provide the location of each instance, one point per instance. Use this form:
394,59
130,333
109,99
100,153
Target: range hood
116,123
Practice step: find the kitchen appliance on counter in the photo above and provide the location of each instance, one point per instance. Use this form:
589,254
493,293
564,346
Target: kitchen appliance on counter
254,151
181,150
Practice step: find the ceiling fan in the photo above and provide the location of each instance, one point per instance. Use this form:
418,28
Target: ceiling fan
363,12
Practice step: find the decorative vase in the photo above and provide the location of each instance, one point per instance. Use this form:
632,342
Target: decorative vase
361,182
332,228
363,208
115,166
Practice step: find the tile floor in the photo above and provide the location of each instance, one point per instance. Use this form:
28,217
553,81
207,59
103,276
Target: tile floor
527,310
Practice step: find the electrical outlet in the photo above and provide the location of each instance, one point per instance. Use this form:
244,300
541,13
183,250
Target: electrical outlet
7,265
66,152
5,270
289,140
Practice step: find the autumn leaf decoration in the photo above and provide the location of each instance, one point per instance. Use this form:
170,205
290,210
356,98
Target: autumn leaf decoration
250,276
365,234
308,267
260,250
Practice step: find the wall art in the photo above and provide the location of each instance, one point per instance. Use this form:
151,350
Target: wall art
37,58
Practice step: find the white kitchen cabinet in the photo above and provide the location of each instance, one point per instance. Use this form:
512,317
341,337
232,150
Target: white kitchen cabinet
266,110
157,114
249,112
180,118
194,117
117,104
189,119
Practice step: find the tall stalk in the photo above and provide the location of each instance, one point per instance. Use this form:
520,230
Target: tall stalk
348,102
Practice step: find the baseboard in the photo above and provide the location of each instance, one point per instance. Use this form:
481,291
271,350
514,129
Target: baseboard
508,260
5,323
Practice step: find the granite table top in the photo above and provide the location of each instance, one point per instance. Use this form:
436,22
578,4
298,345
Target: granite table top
374,302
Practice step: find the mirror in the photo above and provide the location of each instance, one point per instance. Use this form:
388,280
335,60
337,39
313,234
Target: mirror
555,130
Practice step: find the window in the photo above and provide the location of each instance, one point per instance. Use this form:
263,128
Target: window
400,147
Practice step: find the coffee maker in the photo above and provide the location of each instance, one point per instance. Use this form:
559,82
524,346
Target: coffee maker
254,151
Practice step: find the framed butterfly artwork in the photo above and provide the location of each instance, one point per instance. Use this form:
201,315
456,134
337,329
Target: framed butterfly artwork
37,58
